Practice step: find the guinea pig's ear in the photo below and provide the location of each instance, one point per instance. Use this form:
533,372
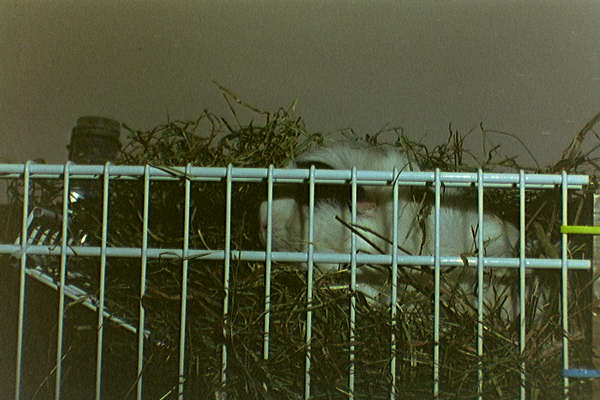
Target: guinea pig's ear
337,193
317,164
341,194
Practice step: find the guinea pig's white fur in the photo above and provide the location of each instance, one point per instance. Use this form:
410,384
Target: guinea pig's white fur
374,212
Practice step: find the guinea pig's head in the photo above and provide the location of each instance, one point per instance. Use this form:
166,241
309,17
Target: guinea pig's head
333,208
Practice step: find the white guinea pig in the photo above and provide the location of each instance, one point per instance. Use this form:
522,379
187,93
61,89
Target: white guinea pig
374,211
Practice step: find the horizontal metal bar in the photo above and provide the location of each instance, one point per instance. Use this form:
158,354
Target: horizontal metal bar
293,257
581,373
490,179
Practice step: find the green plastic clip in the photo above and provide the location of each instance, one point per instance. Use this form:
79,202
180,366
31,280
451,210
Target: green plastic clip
580,229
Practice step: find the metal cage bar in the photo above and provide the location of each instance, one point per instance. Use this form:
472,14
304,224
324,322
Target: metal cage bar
226,271
353,264
102,282
268,250
298,257
415,178
61,286
394,288
184,286
564,287
522,298
143,270
480,288
22,279
309,282
436,288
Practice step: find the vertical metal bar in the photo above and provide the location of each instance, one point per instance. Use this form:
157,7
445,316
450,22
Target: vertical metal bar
143,268
480,288
436,290
352,333
564,287
309,280
522,299
184,281
61,287
22,280
100,325
226,266
269,250
594,317
394,294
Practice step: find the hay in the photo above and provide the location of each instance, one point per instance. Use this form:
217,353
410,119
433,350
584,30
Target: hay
275,138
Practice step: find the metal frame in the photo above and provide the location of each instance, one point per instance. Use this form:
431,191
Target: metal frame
230,175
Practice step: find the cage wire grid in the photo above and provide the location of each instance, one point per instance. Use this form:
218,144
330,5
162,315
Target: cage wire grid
437,179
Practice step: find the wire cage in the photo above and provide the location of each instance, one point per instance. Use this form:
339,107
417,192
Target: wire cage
170,308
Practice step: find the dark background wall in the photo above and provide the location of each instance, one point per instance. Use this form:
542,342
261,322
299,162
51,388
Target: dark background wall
530,68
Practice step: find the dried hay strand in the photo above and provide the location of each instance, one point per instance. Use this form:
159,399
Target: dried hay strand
276,138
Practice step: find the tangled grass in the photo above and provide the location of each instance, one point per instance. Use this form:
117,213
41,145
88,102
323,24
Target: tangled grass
275,138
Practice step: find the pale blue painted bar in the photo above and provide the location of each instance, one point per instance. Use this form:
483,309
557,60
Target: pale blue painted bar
281,175
296,257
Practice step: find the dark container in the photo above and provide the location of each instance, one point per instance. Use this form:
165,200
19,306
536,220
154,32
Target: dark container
94,140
